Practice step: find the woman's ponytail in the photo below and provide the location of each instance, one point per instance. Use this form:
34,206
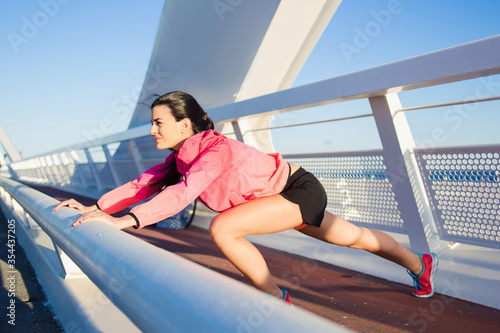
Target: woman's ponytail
207,123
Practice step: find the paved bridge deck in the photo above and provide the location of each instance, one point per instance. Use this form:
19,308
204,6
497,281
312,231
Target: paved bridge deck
360,302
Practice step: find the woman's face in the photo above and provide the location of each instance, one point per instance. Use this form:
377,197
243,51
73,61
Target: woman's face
168,132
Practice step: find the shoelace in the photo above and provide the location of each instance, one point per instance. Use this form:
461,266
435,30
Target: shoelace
416,281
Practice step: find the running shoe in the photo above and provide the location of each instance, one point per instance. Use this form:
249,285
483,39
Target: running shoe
424,282
286,298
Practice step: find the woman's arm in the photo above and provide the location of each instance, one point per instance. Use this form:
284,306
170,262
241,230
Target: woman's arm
208,167
119,199
135,191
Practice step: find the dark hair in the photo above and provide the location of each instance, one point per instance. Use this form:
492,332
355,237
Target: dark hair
182,105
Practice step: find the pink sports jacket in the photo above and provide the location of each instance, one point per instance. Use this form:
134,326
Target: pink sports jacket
218,171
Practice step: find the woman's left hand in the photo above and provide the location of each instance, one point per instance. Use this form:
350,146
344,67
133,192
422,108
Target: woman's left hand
98,215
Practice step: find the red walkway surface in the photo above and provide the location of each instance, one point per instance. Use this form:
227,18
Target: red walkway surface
360,302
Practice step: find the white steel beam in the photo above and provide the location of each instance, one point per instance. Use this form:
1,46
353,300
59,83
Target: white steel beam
467,61
296,27
9,146
93,170
290,38
111,165
136,156
398,143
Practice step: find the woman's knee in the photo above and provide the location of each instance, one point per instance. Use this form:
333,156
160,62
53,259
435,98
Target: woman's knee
366,240
218,229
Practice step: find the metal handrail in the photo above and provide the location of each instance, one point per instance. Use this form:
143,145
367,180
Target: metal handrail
442,105
157,290
476,59
310,123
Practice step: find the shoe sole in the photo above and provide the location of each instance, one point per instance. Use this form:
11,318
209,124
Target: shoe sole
435,264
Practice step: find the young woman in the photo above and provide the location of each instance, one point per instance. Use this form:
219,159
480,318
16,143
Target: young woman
255,193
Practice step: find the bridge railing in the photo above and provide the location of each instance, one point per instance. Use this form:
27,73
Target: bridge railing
463,186
154,289
442,199
407,204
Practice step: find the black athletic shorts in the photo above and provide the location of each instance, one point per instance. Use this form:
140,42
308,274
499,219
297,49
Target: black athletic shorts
304,189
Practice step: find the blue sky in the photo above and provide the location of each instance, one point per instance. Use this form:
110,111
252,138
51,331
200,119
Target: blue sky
60,82
416,27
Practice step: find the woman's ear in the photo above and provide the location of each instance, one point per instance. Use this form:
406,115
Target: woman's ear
186,126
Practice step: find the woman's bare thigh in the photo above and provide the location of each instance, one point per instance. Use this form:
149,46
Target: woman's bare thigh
260,216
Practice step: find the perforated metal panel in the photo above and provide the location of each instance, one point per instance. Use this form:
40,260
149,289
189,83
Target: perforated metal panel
357,186
463,187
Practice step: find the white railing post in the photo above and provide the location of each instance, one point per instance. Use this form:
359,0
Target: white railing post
58,169
39,170
48,169
64,167
398,143
93,169
78,168
136,156
69,270
109,160
237,131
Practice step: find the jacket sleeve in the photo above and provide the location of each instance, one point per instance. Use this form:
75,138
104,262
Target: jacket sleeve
204,170
135,191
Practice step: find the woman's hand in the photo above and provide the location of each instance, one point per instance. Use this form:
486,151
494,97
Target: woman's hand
91,213
72,203
98,215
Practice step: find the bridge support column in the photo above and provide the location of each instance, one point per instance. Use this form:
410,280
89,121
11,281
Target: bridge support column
398,143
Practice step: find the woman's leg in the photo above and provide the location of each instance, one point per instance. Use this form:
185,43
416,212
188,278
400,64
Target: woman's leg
261,216
338,231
